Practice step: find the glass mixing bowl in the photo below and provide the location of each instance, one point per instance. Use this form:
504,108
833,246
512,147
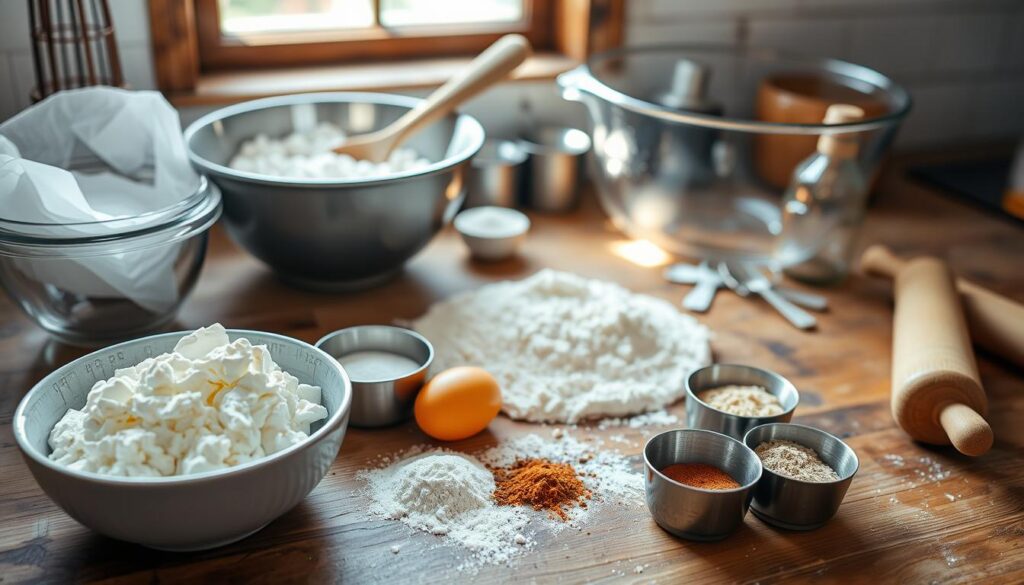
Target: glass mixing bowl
696,172
94,283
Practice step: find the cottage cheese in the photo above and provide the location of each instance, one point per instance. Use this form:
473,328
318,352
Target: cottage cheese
310,155
209,404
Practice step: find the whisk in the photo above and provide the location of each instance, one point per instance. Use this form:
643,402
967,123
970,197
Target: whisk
73,45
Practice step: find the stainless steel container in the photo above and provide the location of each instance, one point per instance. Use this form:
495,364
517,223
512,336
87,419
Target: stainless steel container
377,403
694,513
335,233
699,415
553,167
801,505
495,175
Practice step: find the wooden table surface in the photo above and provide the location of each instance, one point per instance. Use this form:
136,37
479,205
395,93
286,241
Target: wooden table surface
913,514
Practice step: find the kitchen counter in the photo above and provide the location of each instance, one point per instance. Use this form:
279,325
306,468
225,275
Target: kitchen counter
913,514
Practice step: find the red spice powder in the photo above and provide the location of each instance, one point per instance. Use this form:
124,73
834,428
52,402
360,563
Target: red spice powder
540,483
701,476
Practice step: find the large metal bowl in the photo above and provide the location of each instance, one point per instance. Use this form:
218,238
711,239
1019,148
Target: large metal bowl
335,234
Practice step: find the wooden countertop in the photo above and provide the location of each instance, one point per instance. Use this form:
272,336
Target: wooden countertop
913,514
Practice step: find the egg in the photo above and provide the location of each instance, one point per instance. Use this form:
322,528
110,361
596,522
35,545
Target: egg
457,403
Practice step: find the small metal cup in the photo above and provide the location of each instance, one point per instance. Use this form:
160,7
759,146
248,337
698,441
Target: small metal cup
377,403
494,177
553,169
801,505
694,513
699,415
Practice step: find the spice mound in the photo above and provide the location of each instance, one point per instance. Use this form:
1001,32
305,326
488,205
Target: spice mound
743,400
795,461
700,475
540,483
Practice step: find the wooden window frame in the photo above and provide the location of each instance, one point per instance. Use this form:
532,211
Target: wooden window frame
218,52
567,29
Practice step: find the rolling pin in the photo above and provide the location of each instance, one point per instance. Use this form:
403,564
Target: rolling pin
996,322
936,392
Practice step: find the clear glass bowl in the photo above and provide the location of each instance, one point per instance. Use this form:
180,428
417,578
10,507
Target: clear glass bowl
700,177
94,283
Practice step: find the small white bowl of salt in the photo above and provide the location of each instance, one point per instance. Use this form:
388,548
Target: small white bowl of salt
492,233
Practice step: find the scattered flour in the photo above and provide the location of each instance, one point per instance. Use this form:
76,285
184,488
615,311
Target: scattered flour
449,494
566,348
659,418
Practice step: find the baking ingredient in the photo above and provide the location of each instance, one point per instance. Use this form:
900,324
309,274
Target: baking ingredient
448,494
743,400
566,348
309,155
457,403
700,475
209,404
492,222
542,484
368,366
794,460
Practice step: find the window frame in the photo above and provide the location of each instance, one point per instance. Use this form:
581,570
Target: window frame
375,43
575,29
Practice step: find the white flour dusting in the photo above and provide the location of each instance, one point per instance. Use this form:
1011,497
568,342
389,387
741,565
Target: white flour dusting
566,348
450,494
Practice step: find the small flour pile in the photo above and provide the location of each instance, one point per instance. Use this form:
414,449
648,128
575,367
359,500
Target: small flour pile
453,495
448,494
566,348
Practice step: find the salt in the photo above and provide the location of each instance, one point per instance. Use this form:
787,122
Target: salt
369,366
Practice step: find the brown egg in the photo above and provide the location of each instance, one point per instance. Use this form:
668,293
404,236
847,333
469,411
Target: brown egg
458,403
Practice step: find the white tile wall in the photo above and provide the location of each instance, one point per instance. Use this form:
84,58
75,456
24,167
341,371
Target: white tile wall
963,60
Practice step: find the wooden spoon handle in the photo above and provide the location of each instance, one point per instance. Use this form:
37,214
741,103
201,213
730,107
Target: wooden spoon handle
489,67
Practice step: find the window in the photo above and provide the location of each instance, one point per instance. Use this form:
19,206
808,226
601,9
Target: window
267,33
216,51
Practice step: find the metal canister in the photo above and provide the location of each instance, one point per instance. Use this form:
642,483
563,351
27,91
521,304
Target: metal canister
553,168
495,176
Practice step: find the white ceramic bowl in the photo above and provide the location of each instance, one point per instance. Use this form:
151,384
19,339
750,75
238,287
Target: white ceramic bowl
192,512
492,233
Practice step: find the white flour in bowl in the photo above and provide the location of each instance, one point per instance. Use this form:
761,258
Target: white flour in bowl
565,348
310,155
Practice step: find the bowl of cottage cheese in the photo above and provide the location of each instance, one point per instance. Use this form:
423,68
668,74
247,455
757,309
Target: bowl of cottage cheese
186,441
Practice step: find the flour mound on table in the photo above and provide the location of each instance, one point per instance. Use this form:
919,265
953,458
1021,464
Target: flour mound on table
565,348
448,494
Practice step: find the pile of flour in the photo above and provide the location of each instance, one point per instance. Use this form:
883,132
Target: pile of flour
565,348
450,494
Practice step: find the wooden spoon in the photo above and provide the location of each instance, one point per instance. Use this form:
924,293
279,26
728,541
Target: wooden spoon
491,66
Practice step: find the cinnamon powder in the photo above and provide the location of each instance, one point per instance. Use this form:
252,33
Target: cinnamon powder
540,483
700,475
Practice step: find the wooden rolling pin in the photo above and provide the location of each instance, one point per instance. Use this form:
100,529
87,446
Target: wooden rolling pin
996,322
936,392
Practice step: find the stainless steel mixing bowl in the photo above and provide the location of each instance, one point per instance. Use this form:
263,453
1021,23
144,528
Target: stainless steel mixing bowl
687,179
334,234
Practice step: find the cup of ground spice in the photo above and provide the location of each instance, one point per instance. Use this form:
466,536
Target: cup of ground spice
698,484
807,473
732,399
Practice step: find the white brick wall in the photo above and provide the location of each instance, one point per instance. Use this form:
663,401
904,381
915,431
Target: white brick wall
963,60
